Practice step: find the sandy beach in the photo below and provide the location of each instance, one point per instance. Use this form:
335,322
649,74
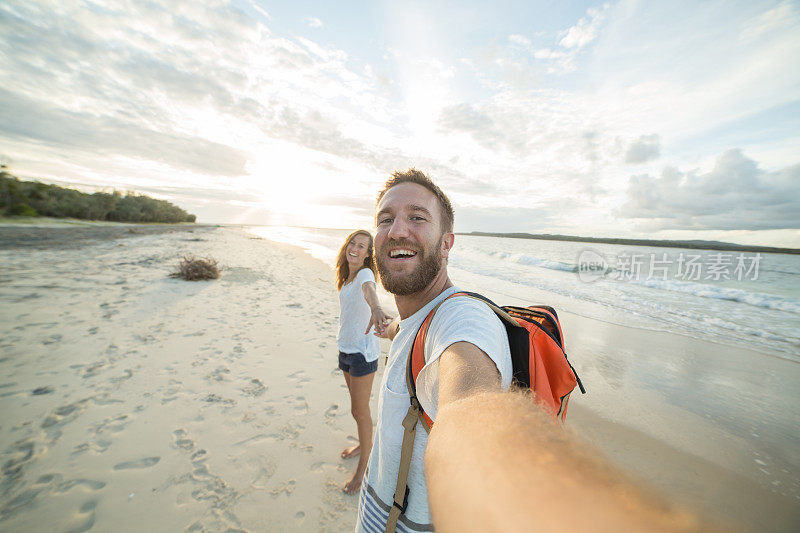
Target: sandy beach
134,401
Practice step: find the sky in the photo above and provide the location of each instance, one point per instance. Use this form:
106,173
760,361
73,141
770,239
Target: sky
664,120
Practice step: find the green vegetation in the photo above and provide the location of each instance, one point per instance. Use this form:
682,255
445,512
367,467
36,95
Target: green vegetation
31,198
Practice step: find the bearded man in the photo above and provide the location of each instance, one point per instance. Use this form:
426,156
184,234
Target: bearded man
494,460
414,235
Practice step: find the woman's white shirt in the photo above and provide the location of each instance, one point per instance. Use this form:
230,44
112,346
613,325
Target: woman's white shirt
354,317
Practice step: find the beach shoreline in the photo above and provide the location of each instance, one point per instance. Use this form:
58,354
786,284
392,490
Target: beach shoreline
132,400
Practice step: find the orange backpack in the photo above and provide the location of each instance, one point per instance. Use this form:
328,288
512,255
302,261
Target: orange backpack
539,364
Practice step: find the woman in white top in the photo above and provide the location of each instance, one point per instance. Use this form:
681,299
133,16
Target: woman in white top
359,311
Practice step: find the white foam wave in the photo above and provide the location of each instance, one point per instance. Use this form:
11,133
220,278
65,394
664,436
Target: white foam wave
524,259
757,299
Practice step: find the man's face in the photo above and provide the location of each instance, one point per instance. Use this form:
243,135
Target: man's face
410,245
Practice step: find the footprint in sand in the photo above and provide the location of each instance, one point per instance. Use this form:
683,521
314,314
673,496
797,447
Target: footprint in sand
213,398
254,388
181,440
172,392
289,431
286,487
61,416
112,425
108,311
300,377
126,375
299,404
98,446
261,479
52,339
145,462
220,374
90,484
330,414
85,519
92,370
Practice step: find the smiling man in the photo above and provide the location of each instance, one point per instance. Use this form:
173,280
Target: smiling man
494,460
413,240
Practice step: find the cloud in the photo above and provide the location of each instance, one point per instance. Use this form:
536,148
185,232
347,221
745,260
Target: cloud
22,118
191,93
586,30
358,205
313,22
520,40
735,195
483,126
646,148
503,219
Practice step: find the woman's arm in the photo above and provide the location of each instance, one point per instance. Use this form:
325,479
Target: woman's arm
379,318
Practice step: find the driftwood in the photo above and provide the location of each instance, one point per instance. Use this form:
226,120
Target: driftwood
195,269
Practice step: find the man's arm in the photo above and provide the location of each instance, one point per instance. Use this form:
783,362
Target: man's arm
497,462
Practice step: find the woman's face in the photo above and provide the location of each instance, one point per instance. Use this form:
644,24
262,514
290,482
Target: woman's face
356,250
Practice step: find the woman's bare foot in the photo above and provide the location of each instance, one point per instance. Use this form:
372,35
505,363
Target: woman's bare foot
352,486
352,451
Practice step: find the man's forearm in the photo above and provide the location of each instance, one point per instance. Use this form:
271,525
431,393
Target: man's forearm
497,462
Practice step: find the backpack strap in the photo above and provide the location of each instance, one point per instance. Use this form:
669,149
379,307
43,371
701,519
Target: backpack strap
414,364
414,414
399,505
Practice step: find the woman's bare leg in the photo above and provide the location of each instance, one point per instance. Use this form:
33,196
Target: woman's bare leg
360,389
350,451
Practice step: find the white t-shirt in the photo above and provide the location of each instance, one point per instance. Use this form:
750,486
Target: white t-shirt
354,317
458,319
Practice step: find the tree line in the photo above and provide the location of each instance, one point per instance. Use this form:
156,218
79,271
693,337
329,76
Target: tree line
32,198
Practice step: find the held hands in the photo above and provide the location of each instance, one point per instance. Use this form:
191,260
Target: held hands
380,320
390,330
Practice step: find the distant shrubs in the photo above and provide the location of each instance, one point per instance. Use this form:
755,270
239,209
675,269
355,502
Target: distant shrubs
31,198
22,210
195,269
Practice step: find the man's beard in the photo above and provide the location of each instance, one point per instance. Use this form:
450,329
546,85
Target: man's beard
415,281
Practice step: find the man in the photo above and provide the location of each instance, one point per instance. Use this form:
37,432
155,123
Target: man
493,461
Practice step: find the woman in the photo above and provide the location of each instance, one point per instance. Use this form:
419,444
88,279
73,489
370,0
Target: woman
359,311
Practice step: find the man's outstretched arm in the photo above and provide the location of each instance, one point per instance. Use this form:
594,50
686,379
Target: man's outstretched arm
497,462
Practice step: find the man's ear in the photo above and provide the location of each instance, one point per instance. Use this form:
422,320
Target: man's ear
447,243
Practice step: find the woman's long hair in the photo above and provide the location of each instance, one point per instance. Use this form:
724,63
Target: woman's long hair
343,267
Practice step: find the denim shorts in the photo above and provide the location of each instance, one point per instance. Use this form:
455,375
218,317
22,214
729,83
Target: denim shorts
355,364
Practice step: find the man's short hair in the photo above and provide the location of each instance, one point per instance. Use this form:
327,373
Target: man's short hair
413,175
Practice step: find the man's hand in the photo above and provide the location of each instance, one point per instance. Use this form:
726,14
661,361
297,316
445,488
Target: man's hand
390,330
379,320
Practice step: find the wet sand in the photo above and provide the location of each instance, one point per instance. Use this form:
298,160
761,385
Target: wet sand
133,401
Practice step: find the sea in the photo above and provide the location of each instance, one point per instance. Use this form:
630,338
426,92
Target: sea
742,299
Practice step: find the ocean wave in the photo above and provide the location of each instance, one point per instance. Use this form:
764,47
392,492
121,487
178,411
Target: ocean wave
757,299
524,259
